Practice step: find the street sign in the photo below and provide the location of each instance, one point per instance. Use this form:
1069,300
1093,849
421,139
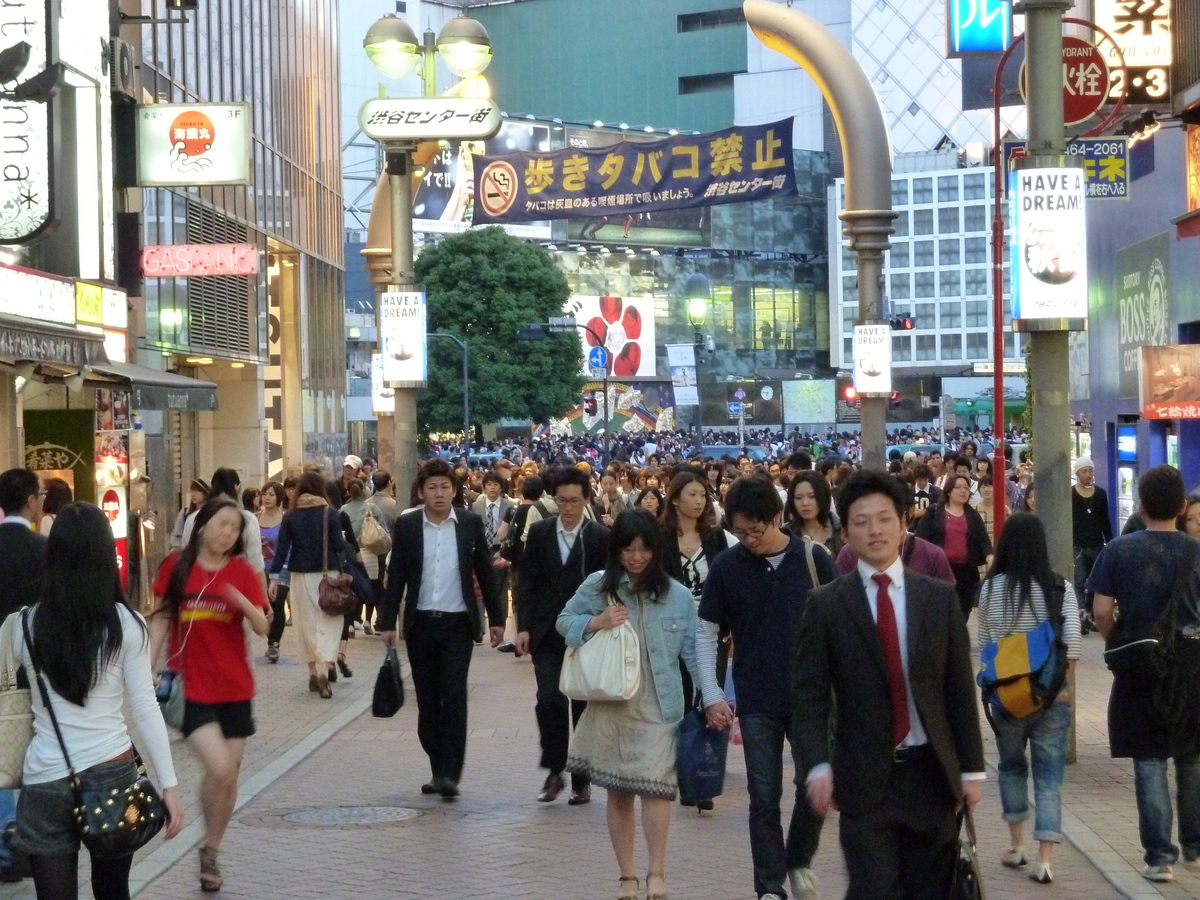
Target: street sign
1085,80
429,118
599,371
735,409
598,358
1105,164
979,26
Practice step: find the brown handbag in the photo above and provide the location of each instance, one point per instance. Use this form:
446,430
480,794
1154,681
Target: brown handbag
335,594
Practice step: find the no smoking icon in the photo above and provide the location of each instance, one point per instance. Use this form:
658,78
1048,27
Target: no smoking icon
498,188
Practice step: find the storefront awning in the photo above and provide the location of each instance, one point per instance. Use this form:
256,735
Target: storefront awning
44,342
153,389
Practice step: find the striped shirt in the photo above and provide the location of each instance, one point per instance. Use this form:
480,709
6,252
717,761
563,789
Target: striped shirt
996,614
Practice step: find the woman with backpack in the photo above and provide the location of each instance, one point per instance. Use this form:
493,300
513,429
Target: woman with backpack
1020,592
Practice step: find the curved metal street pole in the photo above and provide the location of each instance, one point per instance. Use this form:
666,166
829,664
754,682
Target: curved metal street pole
866,151
466,355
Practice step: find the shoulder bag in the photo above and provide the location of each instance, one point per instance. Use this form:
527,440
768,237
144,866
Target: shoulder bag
608,666
16,710
335,593
374,537
112,822
812,562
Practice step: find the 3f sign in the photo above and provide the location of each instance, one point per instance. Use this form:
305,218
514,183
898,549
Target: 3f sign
979,26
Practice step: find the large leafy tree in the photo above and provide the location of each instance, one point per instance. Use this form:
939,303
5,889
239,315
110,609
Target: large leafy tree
483,286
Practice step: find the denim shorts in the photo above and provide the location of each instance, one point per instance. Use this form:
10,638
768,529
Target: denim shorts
46,811
236,719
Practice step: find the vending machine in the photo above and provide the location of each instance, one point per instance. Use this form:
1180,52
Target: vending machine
1126,491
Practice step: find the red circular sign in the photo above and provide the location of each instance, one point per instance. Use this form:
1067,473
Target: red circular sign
110,503
498,186
1085,80
192,133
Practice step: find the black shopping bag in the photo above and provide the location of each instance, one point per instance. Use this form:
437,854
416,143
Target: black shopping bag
700,757
389,689
967,883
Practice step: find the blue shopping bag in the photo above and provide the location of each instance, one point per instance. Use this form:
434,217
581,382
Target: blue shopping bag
700,757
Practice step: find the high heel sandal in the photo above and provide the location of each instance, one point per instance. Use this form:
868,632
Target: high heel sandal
210,871
312,684
342,667
627,892
324,691
661,893
331,673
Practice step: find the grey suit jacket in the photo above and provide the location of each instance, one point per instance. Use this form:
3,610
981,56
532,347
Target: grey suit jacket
479,507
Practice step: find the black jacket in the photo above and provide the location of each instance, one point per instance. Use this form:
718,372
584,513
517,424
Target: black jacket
711,547
545,583
839,654
300,544
23,562
408,561
932,527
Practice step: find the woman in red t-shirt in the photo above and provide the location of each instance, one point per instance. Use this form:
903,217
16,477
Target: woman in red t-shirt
205,597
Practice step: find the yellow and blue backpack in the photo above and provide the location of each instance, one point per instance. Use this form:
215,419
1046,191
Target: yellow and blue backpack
1023,673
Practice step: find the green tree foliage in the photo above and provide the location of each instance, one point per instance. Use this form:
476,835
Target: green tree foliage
482,286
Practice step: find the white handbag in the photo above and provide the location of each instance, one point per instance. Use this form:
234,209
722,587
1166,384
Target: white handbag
607,667
16,711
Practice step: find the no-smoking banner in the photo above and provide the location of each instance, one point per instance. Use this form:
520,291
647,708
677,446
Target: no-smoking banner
498,188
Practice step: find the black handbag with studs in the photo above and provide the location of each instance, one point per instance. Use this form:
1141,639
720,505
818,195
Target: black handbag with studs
112,822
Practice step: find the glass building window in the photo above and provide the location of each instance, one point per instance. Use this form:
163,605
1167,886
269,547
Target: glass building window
925,284
974,186
977,250
849,260
926,346
849,288
977,282
899,192
1010,345
951,315
951,346
899,255
947,188
901,224
922,190
949,283
975,218
922,253
902,348
949,252
849,314
923,316
922,221
977,345
977,314
948,220
901,286
848,349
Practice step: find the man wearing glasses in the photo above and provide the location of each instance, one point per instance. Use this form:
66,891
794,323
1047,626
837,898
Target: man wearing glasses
759,590
560,552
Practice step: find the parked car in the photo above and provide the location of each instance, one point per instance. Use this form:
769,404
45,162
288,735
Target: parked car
716,451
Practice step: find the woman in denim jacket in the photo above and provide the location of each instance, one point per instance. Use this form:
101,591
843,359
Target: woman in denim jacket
628,747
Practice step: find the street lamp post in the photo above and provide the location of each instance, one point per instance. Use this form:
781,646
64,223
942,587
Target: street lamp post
466,363
697,293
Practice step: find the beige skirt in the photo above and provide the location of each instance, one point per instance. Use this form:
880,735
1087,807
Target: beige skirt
319,633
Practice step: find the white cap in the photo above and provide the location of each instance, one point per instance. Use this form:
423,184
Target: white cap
910,455
1083,462
352,461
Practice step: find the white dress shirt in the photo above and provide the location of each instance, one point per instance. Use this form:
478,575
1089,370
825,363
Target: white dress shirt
567,538
441,582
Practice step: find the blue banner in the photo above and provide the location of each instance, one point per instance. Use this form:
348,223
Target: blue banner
752,162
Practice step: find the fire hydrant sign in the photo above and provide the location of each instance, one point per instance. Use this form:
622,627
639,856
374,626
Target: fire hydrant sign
873,360
1085,80
402,330
1050,244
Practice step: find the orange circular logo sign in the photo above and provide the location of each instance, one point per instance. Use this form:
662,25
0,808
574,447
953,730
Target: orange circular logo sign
192,133
498,187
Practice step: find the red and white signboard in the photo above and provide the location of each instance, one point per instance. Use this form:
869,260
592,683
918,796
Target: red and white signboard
1085,80
192,260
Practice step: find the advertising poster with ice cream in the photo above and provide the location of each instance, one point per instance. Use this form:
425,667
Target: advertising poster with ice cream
402,317
624,326
181,144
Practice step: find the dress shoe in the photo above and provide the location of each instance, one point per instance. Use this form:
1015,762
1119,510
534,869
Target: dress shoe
551,788
343,667
507,647
448,788
704,805
580,797
430,787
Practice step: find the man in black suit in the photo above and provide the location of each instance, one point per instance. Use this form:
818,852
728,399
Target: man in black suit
22,550
892,646
435,551
560,553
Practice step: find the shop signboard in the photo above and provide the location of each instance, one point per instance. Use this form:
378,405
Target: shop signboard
1142,31
386,119
978,26
1105,164
1169,381
188,144
195,260
32,296
1143,284
402,320
1050,243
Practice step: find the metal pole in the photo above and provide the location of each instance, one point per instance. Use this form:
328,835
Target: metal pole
607,424
405,421
466,349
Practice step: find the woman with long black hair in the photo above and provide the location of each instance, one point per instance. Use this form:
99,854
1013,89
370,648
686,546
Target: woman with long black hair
94,656
1014,599
206,597
808,511
959,531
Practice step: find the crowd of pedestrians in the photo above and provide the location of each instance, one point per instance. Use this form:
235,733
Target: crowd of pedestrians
810,604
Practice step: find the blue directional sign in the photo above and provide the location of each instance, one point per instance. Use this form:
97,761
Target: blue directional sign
735,409
978,26
598,358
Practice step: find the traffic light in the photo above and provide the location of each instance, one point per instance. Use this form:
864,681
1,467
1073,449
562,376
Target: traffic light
902,323
851,395
589,405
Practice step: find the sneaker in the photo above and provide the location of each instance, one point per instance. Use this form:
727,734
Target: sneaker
1161,874
1191,861
273,653
1041,872
1014,858
804,884
770,897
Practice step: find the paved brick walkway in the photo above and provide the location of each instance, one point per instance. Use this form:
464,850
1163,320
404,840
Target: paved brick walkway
324,758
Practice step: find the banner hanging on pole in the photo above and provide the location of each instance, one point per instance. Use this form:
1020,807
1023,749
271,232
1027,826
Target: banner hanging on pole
752,162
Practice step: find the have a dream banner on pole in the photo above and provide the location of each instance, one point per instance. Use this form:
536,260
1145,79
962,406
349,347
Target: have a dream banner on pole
752,162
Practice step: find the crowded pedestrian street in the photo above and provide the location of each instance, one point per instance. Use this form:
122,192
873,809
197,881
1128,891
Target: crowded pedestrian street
330,806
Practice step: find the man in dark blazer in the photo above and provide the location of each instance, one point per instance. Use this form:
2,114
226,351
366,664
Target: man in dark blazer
891,645
560,553
22,550
436,549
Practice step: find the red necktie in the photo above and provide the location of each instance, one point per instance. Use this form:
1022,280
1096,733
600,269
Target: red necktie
889,640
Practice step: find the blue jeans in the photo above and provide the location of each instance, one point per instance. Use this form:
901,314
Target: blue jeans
8,812
762,742
1046,733
1154,808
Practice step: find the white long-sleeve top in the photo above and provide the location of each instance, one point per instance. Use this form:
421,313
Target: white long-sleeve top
998,619
96,731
